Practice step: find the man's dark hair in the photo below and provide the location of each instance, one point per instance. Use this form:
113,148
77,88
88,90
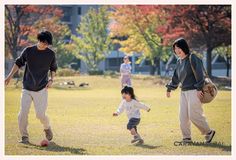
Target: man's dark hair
128,90
181,43
45,36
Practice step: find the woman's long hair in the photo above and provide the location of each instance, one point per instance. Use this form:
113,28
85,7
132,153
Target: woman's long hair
129,90
181,43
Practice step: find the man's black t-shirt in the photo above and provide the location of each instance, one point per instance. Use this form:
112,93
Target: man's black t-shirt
37,65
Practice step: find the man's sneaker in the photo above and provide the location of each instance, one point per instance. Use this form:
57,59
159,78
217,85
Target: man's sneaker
24,140
187,140
48,134
136,138
209,136
141,141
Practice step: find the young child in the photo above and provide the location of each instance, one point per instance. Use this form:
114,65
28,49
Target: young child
132,107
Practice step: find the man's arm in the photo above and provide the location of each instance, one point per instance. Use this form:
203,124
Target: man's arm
53,68
19,62
14,69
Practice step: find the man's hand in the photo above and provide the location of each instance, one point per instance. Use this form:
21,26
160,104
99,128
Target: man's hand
49,85
7,80
115,114
168,94
14,69
200,94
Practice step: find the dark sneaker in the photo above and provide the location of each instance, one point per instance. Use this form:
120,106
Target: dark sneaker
24,140
136,139
141,141
209,136
48,134
187,140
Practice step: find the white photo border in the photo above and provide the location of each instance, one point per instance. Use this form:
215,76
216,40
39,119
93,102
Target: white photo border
125,157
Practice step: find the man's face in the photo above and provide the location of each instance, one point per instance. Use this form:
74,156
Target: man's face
43,45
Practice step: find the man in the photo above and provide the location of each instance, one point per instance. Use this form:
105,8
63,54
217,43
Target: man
38,61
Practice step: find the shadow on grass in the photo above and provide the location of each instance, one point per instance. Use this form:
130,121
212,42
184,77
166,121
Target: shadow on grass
219,145
57,148
146,146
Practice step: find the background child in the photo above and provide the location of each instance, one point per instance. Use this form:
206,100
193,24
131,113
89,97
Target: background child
132,107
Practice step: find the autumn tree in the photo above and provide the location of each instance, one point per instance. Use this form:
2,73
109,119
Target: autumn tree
93,43
138,23
18,23
204,26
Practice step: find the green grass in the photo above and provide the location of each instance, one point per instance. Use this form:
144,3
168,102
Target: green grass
83,124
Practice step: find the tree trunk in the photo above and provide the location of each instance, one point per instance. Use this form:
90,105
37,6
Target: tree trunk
155,66
158,66
228,66
152,69
209,59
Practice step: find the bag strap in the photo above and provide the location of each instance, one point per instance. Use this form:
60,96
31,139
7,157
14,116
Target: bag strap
194,71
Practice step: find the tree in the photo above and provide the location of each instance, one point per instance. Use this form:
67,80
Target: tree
18,23
138,23
93,43
224,51
204,26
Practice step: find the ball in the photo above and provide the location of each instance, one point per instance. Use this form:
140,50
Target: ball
44,143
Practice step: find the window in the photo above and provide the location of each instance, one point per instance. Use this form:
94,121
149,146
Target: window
114,62
67,14
79,10
220,59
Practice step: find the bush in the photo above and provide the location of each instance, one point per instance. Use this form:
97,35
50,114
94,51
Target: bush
113,74
95,72
66,72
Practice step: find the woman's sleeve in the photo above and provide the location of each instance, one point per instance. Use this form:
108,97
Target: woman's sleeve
198,67
130,68
121,69
174,83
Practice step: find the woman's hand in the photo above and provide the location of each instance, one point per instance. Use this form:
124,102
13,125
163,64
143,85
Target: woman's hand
168,94
200,94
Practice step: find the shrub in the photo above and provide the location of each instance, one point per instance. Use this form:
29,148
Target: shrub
95,72
66,72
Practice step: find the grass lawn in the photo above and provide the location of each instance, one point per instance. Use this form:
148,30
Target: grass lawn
83,124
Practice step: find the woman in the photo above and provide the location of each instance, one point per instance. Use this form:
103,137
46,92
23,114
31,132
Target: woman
125,72
191,92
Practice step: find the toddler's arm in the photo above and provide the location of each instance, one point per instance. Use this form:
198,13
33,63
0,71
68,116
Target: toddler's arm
142,106
120,109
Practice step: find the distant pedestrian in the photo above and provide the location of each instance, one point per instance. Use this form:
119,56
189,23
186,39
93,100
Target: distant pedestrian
125,72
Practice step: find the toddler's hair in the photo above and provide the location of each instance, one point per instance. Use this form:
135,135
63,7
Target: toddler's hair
129,90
